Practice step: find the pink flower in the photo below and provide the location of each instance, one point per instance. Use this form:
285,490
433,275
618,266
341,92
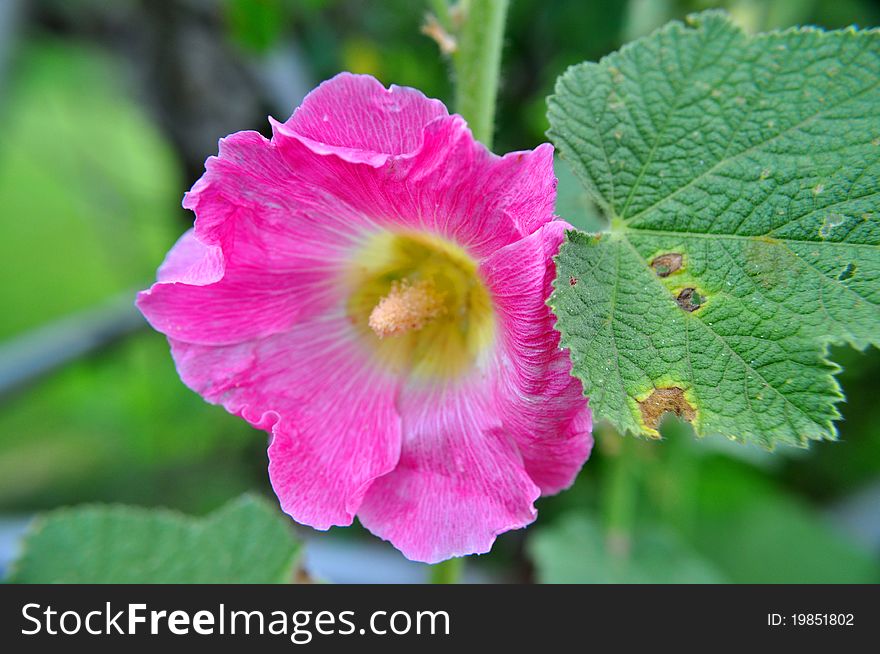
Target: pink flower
369,286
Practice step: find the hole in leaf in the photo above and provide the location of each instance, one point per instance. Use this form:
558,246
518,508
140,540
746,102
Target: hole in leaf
662,401
572,281
666,264
689,299
847,273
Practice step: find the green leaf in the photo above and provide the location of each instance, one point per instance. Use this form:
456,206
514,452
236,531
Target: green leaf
246,541
755,533
778,541
740,175
574,551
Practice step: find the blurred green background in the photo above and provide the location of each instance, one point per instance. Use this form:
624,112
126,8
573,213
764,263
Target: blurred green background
108,112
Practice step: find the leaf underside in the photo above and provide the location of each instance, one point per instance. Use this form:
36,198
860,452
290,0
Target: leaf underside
246,541
740,175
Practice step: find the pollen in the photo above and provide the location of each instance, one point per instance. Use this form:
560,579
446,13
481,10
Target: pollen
407,307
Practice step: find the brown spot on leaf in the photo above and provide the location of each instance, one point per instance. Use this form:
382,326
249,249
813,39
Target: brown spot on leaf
848,272
666,264
662,401
690,299
572,281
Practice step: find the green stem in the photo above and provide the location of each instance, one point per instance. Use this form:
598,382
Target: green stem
447,572
477,62
619,497
680,472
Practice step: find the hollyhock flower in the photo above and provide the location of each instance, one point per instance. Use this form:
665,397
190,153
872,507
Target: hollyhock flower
369,286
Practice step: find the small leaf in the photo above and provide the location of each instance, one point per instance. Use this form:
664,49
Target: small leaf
574,551
740,175
246,541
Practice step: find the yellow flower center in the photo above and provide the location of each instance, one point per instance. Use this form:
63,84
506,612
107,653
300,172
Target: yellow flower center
419,304
407,307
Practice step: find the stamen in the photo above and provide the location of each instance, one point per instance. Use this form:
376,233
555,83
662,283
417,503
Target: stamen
407,307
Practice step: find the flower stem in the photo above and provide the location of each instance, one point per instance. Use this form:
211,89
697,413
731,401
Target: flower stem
681,476
619,495
477,63
447,572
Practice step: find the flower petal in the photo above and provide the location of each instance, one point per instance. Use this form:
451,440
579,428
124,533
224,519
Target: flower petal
452,186
246,303
526,182
543,406
332,416
191,262
459,482
360,121
258,201
258,260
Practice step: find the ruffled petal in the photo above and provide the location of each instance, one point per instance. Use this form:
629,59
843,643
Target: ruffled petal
200,298
359,120
267,250
332,416
259,202
542,405
527,185
460,480
192,262
452,186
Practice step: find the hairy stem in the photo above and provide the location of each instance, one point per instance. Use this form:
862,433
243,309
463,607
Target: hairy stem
477,63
